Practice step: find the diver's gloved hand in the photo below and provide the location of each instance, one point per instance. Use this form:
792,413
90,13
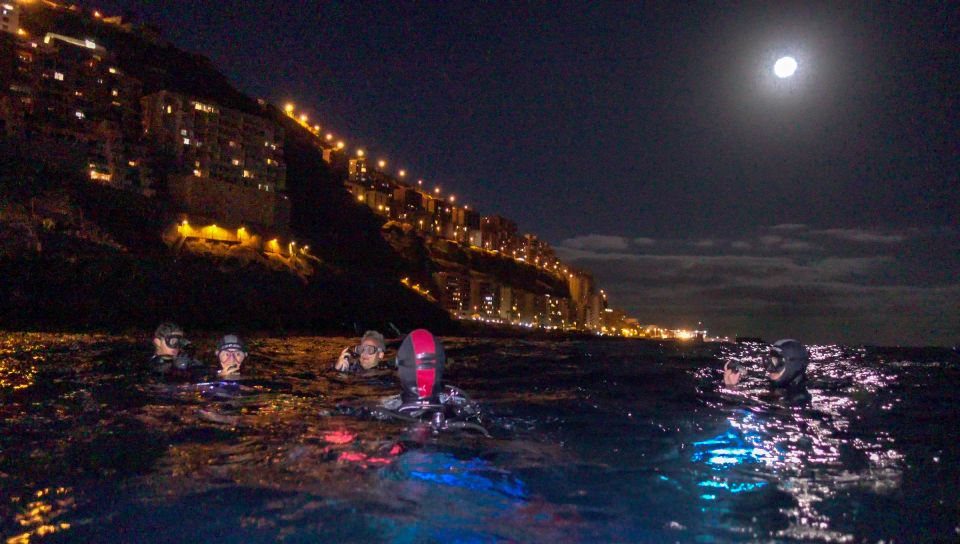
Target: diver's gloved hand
227,369
184,362
347,362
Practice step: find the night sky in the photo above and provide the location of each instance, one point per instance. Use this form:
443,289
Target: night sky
651,144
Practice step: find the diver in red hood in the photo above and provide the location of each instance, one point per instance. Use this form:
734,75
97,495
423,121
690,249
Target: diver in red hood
423,395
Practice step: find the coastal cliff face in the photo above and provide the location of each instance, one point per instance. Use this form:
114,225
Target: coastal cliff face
78,255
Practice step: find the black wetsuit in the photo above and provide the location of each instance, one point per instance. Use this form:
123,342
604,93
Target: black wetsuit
174,365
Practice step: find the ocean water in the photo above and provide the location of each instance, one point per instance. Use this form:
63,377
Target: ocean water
592,441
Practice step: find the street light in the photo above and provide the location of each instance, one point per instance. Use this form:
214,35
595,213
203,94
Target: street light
403,173
329,136
340,145
359,152
288,108
382,163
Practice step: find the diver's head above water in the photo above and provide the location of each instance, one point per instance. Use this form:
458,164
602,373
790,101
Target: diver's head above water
169,340
420,362
231,353
786,364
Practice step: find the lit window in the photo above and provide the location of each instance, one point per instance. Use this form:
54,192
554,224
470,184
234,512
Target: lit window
80,115
247,174
58,76
115,92
198,173
186,141
183,132
113,70
236,162
169,109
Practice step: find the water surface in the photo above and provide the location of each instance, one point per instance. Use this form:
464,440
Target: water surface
592,441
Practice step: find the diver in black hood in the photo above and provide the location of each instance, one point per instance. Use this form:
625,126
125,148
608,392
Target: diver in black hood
423,396
785,365
169,351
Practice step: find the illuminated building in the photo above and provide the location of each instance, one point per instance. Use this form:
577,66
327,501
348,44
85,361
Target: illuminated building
67,97
454,292
498,233
371,187
216,142
484,297
230,164
9,17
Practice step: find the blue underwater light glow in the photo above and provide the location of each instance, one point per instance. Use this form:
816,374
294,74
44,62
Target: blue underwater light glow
473,474
727,451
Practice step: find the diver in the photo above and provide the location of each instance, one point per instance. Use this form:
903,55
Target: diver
169,354
424,398
231,353
368,355
785,365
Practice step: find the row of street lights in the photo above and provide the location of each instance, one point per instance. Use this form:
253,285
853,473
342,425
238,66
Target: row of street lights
303,119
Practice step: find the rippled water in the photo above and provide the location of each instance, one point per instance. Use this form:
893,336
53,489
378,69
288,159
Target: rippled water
592,441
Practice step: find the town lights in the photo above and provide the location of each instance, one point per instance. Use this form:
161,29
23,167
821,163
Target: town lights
288,108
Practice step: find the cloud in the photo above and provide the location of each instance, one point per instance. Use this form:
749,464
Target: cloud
861,235
572,255
597,242
644,241
832,285
771,240
797,245
788,226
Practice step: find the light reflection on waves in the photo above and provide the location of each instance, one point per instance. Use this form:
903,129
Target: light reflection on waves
596,427
804,448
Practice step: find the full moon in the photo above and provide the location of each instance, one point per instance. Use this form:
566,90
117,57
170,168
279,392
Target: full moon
785,67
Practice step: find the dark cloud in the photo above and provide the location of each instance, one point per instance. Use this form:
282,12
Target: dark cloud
597,242
854,286
861,235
